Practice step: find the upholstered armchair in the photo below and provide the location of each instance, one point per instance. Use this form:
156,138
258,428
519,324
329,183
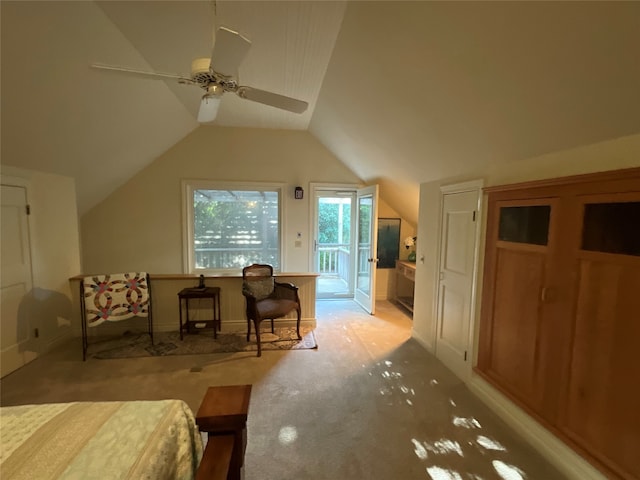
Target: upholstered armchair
267,299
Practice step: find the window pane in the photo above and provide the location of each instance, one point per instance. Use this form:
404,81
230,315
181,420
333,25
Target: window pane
525,224
612,228
235,228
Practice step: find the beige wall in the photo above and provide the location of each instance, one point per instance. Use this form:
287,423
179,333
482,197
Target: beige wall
55,253
139,226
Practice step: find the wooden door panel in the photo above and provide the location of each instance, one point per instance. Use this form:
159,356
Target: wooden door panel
516,319
603,391
561,319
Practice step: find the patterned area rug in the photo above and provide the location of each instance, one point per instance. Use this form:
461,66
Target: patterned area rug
132,345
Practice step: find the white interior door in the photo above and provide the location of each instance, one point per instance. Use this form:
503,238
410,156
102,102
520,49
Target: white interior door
454,310
367,245
16,280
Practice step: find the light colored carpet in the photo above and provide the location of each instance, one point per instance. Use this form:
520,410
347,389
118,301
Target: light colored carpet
132,345
370,404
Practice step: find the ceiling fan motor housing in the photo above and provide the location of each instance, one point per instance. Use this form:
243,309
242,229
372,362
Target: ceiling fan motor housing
200,72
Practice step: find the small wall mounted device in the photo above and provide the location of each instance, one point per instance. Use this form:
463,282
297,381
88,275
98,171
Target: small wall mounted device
299,193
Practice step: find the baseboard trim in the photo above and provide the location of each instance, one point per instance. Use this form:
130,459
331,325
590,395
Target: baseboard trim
422,341
553,449
228,326
59,340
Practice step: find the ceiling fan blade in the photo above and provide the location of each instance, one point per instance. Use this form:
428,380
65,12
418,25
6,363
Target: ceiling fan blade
272,99
229,50
208,109
142,73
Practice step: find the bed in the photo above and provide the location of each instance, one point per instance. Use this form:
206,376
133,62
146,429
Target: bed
100,440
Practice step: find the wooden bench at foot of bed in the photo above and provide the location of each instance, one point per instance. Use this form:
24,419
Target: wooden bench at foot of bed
216,459
223,415
127,439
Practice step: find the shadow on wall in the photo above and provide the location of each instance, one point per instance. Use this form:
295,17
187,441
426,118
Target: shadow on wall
47,311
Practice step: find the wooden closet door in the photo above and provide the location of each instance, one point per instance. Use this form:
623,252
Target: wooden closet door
520,247
602,406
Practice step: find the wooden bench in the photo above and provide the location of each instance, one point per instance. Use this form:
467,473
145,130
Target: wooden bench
223,415
216,460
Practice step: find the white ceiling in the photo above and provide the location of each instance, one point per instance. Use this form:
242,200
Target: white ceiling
401,92
421,91
59,114
291,47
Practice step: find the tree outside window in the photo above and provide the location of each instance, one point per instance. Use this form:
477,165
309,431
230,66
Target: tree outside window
235,228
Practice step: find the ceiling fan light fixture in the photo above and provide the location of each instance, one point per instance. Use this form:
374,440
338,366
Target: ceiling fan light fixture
217,75
209,106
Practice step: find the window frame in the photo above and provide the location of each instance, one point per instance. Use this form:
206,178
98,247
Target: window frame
188,188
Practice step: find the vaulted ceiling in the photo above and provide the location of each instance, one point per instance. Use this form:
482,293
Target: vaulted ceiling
401,92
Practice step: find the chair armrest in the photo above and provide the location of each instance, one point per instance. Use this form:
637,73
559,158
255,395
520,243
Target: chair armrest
286,291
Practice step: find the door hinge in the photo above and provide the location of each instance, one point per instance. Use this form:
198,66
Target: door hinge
465,355
474,215
28,208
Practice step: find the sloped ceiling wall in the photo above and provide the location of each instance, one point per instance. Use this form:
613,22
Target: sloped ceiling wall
60,116
413,92
421,91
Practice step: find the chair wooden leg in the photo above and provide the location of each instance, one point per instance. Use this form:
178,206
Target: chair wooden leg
248,328
272,330
298,324
257,325
84,339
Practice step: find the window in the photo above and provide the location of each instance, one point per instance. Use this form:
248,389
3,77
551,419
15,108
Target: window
612,228
525,224
230,226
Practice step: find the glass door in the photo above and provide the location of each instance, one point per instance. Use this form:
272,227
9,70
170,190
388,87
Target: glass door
334,243
366,258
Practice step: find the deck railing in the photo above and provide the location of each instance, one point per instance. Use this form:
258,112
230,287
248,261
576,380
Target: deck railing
335,259
220,258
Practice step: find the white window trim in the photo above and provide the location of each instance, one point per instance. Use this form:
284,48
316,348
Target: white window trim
188,187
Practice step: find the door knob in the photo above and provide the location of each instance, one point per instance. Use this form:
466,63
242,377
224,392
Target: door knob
548,295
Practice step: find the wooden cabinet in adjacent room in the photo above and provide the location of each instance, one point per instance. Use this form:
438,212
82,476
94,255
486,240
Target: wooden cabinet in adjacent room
560,318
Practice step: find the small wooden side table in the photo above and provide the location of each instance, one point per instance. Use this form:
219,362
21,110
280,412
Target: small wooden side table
224,411
187,294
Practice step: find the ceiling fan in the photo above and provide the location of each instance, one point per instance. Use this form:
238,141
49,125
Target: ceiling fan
218,75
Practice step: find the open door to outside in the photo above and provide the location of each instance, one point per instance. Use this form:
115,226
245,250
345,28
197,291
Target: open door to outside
334,242
367,236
